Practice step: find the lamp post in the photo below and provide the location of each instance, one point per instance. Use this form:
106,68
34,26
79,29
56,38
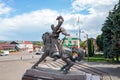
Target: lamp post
86,45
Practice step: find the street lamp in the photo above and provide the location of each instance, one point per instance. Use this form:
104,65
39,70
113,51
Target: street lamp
86,44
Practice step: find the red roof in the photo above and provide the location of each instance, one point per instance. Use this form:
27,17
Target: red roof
27,42
6,46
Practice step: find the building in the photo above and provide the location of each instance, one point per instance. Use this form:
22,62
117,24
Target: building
28,46
72,42
23,45
7,46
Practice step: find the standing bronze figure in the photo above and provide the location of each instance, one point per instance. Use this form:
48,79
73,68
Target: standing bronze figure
53,47
56,30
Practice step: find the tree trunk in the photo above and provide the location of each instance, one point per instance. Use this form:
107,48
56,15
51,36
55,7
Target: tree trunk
112,59
117,57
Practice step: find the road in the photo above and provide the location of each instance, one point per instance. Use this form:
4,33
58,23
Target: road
13,66
21,56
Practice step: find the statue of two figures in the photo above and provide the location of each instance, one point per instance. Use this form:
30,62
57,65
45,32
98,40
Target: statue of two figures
53,47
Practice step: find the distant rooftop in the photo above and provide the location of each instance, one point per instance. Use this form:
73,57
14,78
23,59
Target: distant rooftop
27,42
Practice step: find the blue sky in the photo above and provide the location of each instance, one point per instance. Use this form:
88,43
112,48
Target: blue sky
26,6
29,19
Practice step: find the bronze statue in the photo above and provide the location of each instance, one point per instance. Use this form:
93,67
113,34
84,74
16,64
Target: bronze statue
56,30
54,49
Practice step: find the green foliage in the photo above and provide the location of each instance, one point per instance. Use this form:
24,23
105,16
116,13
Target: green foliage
12,50
90,47
99,41
1,52
82,44
37,43
111,34
3,42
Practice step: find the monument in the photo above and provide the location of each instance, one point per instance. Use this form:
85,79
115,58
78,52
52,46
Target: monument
53,47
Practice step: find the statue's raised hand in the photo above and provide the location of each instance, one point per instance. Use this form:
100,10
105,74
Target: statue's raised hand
60,18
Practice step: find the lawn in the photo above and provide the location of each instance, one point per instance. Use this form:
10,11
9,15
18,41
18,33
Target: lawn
96,58
99,58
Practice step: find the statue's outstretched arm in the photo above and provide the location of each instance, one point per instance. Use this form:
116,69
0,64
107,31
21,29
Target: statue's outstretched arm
63,31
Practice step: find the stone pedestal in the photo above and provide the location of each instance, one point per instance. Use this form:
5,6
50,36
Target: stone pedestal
50,74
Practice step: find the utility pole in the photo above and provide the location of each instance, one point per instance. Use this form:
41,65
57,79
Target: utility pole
79,30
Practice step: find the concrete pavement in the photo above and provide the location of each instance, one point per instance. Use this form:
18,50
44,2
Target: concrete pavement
13,70
110,68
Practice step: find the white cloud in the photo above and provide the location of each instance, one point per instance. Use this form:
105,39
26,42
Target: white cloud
79,5
98,11
4,9
32,25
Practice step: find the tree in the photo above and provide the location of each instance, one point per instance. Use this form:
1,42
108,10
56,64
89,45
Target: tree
115,47
82,44
99,41
90,47
111,34
40,43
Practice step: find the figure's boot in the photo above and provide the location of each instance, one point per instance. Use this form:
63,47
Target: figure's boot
40,60
55,58
62,69
35,65
67,68
65,71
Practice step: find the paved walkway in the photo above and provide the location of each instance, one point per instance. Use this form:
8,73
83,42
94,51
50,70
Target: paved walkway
112,69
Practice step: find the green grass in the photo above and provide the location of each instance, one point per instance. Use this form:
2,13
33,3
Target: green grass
99,58
96,58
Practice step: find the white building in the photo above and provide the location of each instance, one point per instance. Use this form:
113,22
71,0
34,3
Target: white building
28,46
24,45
